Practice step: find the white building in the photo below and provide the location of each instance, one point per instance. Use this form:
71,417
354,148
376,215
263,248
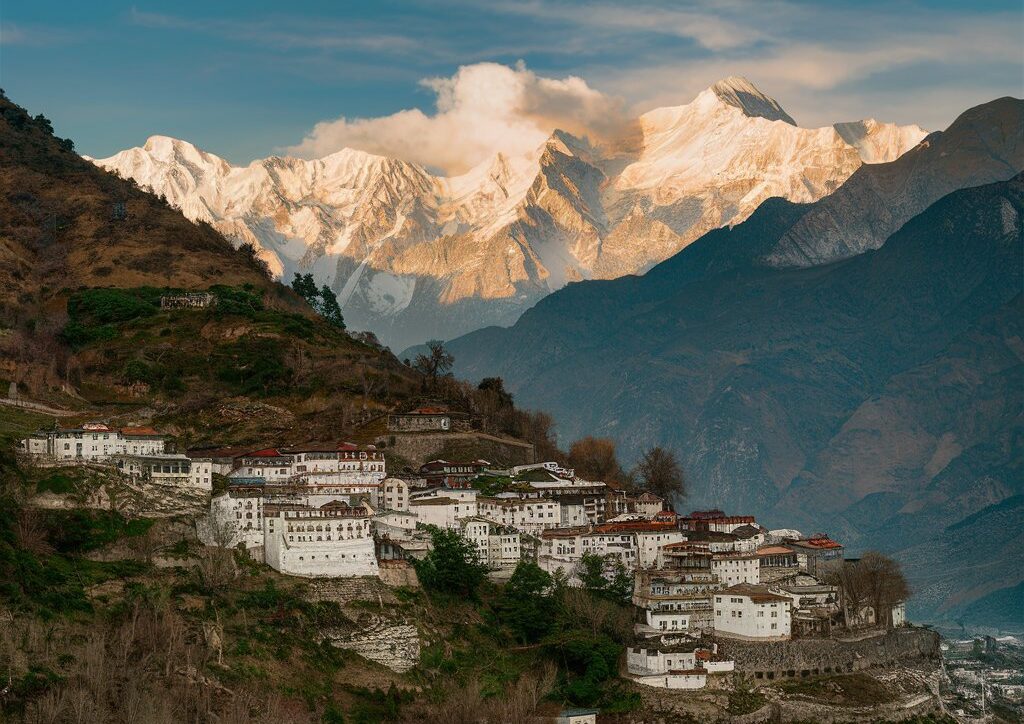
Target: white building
94,441
498,547
394,494
530,515
733,567
752,613
166,469
650,540
236,517
333,540
444,512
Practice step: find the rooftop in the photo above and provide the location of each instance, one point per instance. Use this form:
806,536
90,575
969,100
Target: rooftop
757,594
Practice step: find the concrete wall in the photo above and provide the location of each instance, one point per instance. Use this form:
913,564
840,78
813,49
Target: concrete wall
808,657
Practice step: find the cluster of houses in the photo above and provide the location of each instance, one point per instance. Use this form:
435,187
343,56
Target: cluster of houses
140,453
332,510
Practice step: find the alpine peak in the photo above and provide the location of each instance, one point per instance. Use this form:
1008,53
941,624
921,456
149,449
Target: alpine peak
739,92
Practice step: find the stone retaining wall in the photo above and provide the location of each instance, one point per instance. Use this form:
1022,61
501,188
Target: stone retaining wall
813,657
421,447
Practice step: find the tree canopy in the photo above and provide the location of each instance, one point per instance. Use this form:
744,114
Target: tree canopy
436,363
658,471
594,459
323,301
452,566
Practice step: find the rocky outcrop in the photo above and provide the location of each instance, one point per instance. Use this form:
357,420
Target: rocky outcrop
395,645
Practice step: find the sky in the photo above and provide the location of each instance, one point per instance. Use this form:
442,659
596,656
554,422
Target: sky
447,82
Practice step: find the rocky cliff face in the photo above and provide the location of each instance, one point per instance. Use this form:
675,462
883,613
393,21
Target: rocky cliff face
412,255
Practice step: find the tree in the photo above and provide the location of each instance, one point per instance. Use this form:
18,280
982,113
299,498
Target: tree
436,363
251,253
452,566
323,301
884,585
329,308
876,581
593,458
528,605
606,577
659,472
496,386
849,579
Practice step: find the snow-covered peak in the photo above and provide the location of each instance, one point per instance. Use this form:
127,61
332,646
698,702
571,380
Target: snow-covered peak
741,93
880,142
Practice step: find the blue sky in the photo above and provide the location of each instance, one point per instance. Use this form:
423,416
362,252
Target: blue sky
246,79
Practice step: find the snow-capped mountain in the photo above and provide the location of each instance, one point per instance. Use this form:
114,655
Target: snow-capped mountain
413,255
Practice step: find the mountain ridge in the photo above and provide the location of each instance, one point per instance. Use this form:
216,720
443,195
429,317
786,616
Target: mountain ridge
413,255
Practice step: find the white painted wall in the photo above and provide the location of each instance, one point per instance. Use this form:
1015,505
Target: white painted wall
739,616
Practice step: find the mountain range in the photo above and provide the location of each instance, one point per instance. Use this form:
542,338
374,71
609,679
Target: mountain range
854,363
413,255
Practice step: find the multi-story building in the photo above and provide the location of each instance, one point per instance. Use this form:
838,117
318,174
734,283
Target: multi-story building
394,494
167,469
680,598
443,511
331,540
497,546
817,555
452,474
752,613
528,514
93,441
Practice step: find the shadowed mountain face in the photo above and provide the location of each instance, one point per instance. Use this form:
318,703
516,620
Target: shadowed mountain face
878,396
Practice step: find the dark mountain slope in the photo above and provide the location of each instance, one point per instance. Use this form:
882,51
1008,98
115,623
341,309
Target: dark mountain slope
984,145
755,375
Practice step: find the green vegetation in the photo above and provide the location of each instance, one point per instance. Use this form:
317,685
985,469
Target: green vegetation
323,301
452,567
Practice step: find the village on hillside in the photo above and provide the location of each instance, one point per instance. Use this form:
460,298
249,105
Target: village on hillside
709,588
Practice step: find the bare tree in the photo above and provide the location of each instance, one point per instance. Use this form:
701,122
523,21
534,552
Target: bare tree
874,580
658,471
885,585
594,459
437,363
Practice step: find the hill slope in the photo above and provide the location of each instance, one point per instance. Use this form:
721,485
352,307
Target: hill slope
84,259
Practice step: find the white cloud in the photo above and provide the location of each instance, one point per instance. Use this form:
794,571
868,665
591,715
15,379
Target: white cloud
482,109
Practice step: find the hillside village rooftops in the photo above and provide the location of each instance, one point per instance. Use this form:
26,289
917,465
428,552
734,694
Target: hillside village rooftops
756,593
565,532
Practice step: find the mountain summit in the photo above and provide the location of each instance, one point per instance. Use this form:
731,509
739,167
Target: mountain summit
739,92
413,255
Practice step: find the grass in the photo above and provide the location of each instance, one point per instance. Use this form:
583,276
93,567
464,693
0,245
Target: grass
847,690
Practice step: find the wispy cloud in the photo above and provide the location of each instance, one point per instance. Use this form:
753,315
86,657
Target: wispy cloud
289,32
38,35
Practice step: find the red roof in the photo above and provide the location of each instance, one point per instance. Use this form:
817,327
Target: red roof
819,542
269,452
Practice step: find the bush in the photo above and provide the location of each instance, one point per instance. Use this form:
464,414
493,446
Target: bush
253,365
452,566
